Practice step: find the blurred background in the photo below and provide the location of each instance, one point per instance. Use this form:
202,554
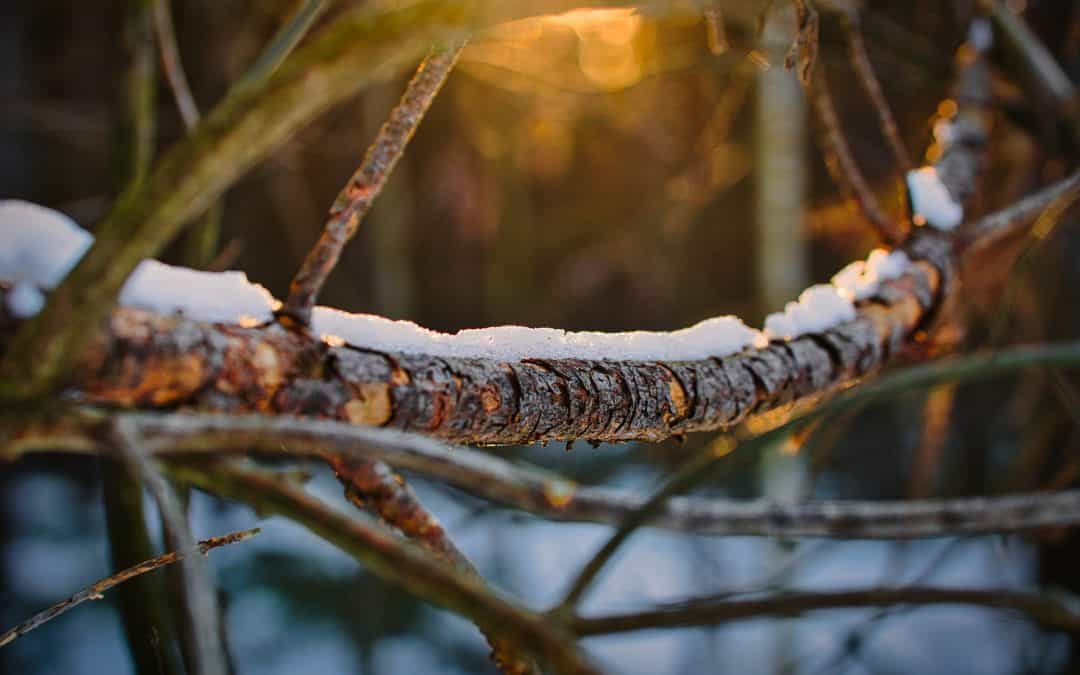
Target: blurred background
600,170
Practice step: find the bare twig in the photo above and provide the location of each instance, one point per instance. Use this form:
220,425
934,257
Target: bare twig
715,33
1017,217
1041,67
864,70
355,199
1058,613
374,484
803,53
172,66
201,243
206,651
551,496
293,29
393,559
842,165
95,591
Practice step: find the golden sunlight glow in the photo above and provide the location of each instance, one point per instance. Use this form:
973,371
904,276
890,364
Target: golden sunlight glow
606,53
559,493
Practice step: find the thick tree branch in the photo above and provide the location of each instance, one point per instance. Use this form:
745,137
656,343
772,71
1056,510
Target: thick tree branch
150,361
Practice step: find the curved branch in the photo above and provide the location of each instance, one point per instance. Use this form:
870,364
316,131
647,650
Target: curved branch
1054,613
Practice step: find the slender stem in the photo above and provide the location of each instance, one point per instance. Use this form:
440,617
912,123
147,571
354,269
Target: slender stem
1051,612
364,186
841,162
172,65
205,652
95,591
1041,67
715,33
393,559
1015,218
864,71
303,16
201,244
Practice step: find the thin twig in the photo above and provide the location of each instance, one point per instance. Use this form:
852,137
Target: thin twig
1017,217
205,649
364,186
373,483
1042,69
864,71
394,559
201,243
1049,611
552,496
842,165
293,29
172,66
715,33
95,591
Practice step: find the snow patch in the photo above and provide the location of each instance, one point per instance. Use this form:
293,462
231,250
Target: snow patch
818,308
25,300
931,201
981,34
719,336
217,297
38,245
862,278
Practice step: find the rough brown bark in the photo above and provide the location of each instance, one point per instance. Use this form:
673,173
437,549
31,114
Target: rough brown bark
148,361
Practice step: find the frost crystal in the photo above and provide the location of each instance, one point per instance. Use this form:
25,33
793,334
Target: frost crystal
931,200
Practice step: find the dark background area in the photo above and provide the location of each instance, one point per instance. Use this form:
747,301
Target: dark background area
584,173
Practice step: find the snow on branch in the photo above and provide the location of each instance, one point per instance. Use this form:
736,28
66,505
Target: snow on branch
42,245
